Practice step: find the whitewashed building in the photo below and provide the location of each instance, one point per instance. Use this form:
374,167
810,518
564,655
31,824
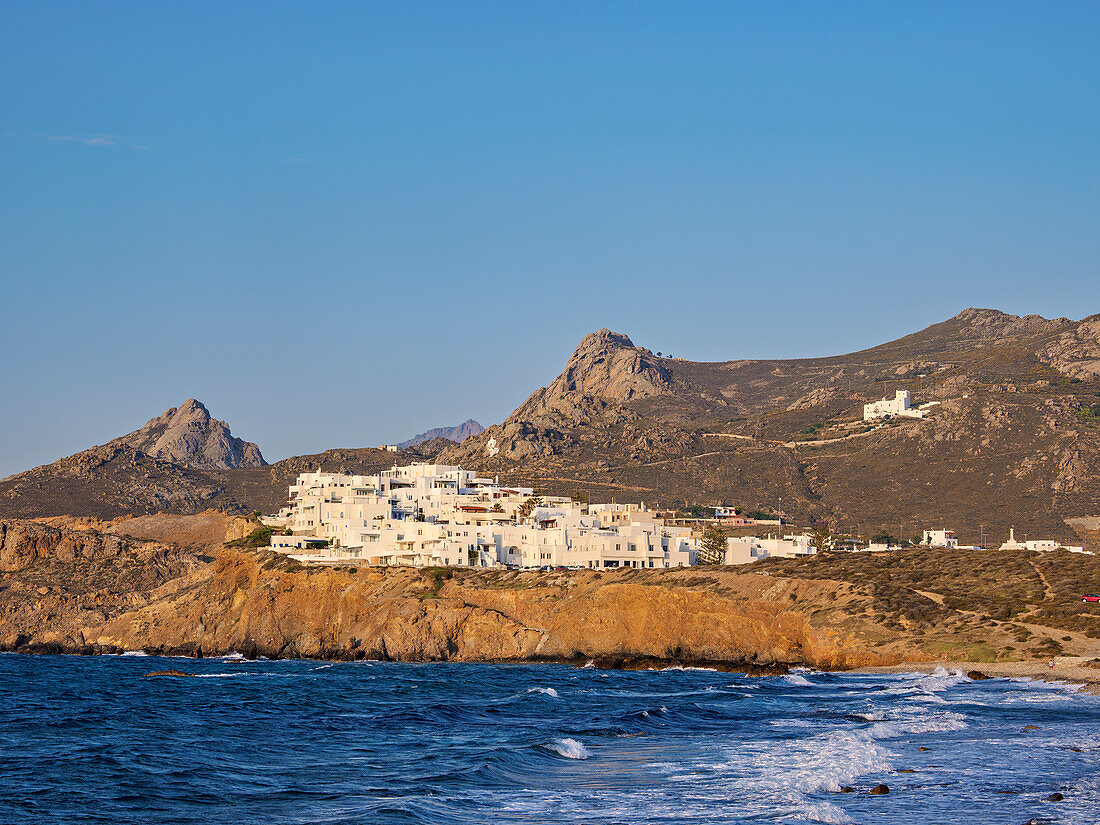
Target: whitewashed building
428,514
750,548
900,406
940,538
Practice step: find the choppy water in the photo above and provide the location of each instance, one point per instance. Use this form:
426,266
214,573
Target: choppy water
90,740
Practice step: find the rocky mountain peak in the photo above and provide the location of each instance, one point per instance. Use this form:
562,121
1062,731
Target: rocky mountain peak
992,323
607,365
190,436
605,372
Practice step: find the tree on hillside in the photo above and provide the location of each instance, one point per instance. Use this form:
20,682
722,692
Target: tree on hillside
712,549
529,506
883,538
822,538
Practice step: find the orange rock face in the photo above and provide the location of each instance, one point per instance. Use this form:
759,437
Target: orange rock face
87,592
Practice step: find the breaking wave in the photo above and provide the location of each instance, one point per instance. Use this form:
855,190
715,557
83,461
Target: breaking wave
569,748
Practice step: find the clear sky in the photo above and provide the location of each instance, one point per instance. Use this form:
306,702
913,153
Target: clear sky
340,224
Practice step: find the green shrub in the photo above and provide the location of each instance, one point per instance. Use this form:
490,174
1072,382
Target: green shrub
260,537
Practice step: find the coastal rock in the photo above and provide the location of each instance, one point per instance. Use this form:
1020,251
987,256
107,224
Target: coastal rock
141,595
878,790
1055,797
167,673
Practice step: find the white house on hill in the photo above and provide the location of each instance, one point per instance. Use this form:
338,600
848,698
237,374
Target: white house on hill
899,406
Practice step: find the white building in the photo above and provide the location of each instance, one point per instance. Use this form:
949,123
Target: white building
1049,545
750,548
899,406
1041,545
940,538
428,514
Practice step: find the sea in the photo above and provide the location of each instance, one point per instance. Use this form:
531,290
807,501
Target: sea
95,740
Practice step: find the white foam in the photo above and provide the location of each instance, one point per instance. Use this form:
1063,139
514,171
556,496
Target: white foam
590,663
823,812
928,724
941,679
569,748
796,679
134,653
824,762
791,723
547,691
689,669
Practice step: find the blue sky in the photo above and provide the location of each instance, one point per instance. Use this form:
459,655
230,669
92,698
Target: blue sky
340,224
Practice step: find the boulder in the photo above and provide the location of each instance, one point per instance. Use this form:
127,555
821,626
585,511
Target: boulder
879,790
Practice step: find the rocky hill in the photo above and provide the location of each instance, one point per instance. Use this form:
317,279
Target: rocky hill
187,435
116,480
64,590
1011,440
458,433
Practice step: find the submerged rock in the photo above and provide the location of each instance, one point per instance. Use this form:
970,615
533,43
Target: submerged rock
167,673
878,790
1055,797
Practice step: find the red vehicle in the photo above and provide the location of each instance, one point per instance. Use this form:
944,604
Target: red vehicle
1091,597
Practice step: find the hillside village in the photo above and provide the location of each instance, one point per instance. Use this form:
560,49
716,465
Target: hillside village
431,515
984,423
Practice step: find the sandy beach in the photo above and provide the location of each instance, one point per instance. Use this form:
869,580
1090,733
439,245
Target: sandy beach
1066,669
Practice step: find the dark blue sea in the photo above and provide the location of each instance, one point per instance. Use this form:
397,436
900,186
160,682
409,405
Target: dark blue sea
90,740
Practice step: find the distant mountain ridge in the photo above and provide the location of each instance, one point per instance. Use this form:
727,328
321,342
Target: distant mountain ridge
1013,435
189,436
457,434
1013,438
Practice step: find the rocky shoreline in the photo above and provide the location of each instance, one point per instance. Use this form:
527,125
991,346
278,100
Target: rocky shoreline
1072,669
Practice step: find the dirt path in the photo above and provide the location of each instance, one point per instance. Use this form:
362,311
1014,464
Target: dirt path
1048,591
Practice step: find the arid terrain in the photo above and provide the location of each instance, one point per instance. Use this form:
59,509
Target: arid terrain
168,584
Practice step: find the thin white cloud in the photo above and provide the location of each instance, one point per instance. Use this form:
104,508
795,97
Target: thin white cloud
96,140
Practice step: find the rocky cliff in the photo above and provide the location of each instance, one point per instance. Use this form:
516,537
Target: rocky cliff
80,591
187,435
64,590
